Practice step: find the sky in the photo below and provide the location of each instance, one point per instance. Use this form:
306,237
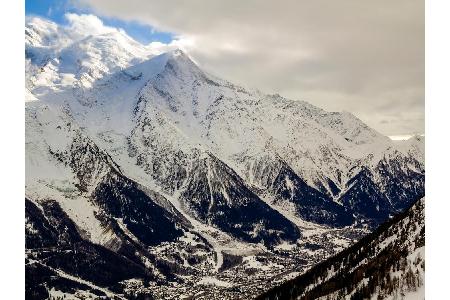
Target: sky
365,57
55,10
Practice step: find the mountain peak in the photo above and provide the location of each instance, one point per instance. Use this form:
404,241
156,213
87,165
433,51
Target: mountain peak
178,52
152,153
179,56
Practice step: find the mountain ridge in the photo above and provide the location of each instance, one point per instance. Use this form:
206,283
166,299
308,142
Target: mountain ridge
156,155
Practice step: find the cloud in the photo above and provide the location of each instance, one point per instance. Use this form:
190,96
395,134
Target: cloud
86,24
366,57
83,25
183,43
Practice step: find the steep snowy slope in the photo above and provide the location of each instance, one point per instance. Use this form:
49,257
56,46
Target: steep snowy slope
242,128
157,117
58,58
414,146
189,175
387,264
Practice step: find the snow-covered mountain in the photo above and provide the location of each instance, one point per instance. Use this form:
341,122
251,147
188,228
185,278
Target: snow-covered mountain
140,151
58,57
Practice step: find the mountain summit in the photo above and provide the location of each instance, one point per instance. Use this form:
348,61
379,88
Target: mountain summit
144,159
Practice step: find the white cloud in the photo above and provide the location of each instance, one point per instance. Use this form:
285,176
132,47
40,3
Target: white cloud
182,43
366,57
85,25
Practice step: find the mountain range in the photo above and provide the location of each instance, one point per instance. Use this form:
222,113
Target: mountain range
161,180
